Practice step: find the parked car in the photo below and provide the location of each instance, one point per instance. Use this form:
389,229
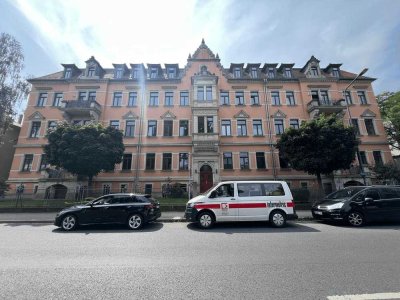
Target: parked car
130,209
372,203
243,201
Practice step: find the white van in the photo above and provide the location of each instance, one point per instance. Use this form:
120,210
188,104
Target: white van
243,201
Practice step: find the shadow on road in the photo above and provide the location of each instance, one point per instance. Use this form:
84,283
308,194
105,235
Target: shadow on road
371,225
151,227
15,224
252,227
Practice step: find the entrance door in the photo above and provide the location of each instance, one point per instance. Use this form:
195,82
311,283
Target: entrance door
206,178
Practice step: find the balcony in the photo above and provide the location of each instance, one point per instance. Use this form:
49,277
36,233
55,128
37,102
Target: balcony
205,142
81,109
316,107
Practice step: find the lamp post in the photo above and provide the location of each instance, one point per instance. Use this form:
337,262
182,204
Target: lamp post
362,174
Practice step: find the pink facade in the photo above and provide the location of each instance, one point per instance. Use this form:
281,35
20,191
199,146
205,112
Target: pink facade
196,125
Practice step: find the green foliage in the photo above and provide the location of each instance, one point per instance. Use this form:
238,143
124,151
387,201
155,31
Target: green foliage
389,173
319,146
13,88
84,150
301,195
389,104
3,187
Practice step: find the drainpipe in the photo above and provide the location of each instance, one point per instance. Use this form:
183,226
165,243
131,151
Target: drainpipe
269,129
139,144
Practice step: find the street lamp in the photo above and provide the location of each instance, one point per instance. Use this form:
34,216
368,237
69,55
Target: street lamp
362,174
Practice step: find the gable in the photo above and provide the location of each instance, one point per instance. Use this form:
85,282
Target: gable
241,114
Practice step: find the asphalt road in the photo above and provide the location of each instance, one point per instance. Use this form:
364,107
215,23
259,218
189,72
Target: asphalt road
178,261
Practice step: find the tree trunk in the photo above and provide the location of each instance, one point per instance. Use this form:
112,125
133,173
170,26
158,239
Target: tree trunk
320,188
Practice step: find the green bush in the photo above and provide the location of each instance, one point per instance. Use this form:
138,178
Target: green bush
301,195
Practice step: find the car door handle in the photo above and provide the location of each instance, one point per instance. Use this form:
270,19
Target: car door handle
107,207
233,199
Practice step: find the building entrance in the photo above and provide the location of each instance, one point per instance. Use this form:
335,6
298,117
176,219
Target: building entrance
206,178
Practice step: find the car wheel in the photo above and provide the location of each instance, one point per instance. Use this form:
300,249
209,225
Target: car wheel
277,218
355,218
69,222
135,221
205,220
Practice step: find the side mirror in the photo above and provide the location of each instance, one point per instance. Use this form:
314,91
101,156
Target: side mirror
368,200
213,194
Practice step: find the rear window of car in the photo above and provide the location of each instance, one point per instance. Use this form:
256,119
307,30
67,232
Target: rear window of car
389,193
345,193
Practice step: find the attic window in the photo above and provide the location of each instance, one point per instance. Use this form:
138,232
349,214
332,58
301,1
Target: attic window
254,73
154,73
314,71
135,73
271,73
118,72
335,72
91,72
288,73
236,72
171,72
68,73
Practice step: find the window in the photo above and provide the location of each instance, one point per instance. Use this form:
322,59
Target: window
226,128
153,99
224,98
244,160
114,124
183,161
51,125
130,128
68,73
153,73
273,189
347,97
117,100
183,128
169,99
91,72
236,72
135,73
152,128
314,95
314,71
208,93
294,123
106,190
127,161
200,93
241,128
257,128
290,98
168,127
35,129
279,128
335,72
239,98
132,100
304,185
42,99
28,159
228,163
118,73
200,124
43,162
361,97
123,188
377,157
167,161
324,98
150,161
354,123
275,98
148,188
210,124
254,72
171,72
363,158
369,125
92,96
271,73
288,73
260,159
82,96
254,99
58,97
184,100
249,189
283,162
226,190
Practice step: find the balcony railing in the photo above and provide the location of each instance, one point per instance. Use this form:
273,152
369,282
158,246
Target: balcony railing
80,108
317,106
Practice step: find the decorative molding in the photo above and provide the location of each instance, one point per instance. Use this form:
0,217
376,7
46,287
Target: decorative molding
314,86
368,114
360,87
130,115
275,87
168,115
86,87
36,116
44,88
241,114
132,87
279,115
239,87
172,87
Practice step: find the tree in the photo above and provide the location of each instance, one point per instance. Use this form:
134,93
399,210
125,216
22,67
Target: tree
388,173
319,146
13,88
84,150
389,104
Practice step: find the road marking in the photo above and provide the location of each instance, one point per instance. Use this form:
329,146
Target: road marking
378,296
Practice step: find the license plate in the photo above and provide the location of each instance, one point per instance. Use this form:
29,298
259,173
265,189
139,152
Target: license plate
318,212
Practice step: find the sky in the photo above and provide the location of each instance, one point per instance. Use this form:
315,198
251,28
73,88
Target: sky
357,33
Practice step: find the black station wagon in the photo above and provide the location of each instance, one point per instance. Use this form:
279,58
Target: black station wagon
130,209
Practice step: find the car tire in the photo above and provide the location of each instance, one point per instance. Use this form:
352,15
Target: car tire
135,221
355,218
205,220
69,223
277,219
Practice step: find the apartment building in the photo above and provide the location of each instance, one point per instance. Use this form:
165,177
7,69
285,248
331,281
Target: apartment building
196,125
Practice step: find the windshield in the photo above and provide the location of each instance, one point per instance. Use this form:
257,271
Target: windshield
345,193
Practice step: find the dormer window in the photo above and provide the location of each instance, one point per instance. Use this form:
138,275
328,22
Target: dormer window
236,72
171,73
135,73
288,73
118,73
154,73
335,72
91,72
68,73
271,73
254,72
314,71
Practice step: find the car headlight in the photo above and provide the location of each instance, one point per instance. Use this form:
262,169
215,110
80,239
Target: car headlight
335,206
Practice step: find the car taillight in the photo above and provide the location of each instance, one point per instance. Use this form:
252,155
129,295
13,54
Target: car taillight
290,204
149,206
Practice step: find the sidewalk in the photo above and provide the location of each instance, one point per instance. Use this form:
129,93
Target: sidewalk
48,217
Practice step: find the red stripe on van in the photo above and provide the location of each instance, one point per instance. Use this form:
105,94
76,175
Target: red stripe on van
203,206
290,204
247,205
